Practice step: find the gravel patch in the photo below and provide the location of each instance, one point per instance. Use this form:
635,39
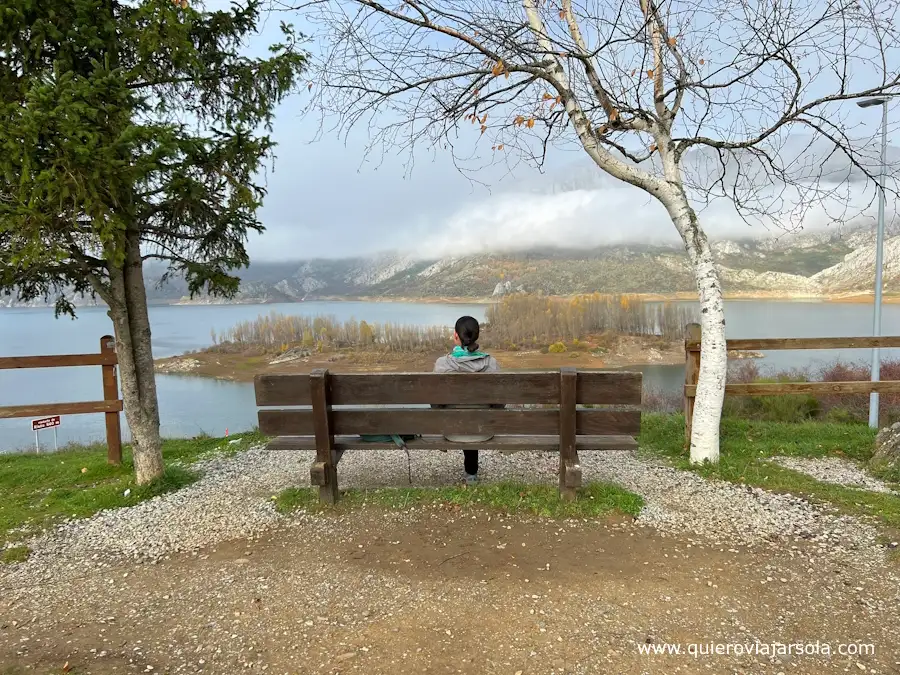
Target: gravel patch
233,499
835,470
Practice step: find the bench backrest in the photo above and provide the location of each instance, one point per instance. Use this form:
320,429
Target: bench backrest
567,390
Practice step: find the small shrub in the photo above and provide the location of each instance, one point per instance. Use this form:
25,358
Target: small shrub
656,400
545,349
574,355
556,348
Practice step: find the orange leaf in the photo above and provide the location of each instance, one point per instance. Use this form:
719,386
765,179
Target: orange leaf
484,119
547,96
653,148
530,123
519,120
702,62
562,14
500,147
559,99
309,88
498,68
671,42
506,74
650,73
483,128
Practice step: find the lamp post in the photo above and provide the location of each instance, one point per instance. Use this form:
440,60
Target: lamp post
879,254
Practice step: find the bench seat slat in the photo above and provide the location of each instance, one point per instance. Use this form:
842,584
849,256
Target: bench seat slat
511,443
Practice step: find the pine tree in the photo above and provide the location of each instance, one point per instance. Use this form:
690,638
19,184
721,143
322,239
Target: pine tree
132,131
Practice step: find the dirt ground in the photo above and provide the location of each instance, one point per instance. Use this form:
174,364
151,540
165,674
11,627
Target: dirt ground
439,590
629,351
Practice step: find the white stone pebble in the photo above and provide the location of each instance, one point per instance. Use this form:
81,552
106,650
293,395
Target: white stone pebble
836,470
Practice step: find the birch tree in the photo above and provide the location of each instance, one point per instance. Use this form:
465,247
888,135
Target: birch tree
690,102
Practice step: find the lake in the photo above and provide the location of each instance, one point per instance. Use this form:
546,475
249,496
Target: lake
191,405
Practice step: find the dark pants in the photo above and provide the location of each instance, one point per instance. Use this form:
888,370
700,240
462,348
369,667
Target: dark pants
470,461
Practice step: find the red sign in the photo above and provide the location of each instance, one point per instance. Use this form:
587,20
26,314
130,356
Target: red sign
45,423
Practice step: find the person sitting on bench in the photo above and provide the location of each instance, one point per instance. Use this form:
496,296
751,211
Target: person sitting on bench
465,358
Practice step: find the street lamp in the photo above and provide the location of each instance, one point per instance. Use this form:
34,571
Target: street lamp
879,245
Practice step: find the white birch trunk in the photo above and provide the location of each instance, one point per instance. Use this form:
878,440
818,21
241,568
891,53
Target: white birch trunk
713,355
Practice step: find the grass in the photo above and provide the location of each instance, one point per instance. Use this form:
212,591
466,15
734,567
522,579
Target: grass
77,482
594,500
15,554
746,444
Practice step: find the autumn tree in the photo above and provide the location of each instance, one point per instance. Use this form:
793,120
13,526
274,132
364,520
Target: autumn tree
132,131
689,102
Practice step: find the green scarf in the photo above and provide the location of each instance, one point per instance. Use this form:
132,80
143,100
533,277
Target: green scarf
461,353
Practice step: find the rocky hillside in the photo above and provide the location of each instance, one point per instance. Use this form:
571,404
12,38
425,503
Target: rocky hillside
817,263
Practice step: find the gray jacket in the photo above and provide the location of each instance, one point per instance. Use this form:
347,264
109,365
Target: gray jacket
467,364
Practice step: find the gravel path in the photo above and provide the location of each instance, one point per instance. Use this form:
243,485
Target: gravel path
233,499
834,470
436,589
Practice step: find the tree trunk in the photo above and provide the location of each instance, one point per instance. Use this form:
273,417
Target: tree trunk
713,355
128,311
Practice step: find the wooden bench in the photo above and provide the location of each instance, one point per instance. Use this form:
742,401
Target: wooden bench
332,417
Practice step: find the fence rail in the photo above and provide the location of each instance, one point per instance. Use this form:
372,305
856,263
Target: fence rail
111,405
692,344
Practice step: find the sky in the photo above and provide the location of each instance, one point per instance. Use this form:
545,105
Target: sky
327,199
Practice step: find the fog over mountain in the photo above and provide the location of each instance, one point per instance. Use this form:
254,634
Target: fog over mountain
577,206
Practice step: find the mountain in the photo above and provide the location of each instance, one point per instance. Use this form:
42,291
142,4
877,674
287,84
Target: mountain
828,262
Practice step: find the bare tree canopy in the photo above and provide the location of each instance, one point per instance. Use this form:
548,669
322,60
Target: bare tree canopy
689,101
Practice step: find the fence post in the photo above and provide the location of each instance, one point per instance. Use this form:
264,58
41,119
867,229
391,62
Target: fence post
111,393
692,334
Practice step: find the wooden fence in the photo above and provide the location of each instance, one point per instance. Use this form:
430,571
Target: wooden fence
692,369
111,405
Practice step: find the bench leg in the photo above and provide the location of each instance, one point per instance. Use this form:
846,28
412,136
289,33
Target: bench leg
569,477
324,475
